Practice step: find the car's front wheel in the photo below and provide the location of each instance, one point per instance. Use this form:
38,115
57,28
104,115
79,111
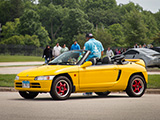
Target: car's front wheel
61,88
28,95
103,93
136,86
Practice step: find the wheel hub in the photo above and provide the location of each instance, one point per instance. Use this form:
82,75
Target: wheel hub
136,86
62,88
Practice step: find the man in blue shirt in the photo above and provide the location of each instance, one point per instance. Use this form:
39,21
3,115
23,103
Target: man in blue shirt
96,49
94,46
75,46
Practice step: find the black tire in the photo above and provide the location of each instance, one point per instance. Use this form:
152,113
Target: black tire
61,88
103,93
136,86
28,95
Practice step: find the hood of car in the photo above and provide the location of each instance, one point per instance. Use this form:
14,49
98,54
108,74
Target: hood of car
44,70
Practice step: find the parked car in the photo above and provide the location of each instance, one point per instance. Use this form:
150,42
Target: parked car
156,49
150,57
71,73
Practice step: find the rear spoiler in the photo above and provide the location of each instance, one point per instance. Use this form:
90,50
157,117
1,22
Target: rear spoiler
137,61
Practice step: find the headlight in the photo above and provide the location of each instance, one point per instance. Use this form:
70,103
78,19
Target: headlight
17,78
44,78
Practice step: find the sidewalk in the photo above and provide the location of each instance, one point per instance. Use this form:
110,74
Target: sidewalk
21,63
11,89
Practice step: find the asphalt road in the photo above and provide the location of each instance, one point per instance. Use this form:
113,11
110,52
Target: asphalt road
117,106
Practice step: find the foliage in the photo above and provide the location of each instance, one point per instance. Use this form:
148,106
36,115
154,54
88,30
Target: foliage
156,40
117,32
135,29
104,36
50,21
14,40
10,9
10,29
81,39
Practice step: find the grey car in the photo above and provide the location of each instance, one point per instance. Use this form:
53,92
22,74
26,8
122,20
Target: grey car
150,57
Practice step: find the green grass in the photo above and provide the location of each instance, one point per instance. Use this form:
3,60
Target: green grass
17,58
7,80
154,81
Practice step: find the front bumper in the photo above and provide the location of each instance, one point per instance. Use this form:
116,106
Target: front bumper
35,85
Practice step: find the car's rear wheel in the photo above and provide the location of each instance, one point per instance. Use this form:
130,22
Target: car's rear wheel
28,95
136,86
61,88
103,93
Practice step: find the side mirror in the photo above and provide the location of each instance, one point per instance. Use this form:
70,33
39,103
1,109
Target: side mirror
86,64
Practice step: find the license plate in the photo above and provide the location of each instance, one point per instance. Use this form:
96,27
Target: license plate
25,84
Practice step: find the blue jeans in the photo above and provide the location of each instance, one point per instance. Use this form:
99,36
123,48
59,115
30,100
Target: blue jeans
47,60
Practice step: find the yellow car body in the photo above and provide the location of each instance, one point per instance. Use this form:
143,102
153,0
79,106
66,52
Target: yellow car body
84,77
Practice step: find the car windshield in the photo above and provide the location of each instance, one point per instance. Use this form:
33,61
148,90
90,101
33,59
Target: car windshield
68,58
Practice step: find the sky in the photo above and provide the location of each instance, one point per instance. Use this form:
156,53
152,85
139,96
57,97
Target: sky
149,5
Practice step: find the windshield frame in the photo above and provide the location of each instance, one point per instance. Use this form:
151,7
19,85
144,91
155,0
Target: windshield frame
80,62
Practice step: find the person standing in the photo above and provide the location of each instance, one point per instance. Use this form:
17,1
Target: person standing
94,46
75,46
136,46
96,49
109,52
56,50
116,52
64,48
47,54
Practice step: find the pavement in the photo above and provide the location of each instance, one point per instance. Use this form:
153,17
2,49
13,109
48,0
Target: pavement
148,91
6,68
20,63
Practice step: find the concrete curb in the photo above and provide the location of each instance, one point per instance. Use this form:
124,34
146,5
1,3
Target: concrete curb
11,89
7,89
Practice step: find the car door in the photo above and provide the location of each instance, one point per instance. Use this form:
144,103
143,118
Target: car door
98,76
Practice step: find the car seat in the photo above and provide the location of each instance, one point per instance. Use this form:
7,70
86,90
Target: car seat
106,60
94,61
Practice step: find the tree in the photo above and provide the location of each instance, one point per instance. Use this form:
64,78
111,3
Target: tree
127,8
52,18
104,36
30,24
14,40
31,40
101,4
81,39
151,24
117,32
135,28
10,29
78,24
10,9
156,40
157,18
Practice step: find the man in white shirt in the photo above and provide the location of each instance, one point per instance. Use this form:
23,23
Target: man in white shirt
56,50
109,52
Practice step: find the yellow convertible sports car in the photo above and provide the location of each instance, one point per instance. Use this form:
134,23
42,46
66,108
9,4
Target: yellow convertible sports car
71,73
